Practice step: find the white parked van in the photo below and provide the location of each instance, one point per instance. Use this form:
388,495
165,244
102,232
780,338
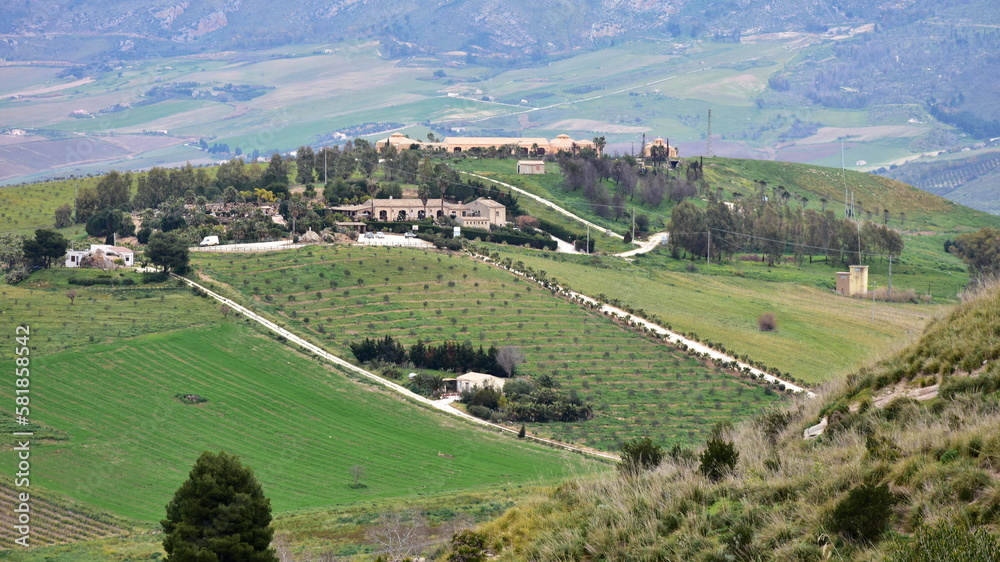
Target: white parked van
210,241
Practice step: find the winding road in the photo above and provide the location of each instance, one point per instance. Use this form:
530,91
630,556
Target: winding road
653,241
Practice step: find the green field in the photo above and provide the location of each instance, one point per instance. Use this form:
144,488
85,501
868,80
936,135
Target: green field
113,423
820,334
338,295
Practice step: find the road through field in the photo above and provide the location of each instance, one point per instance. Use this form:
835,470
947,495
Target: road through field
653,241
442,405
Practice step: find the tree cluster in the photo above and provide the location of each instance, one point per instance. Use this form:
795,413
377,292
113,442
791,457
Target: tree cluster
447,356
980,250
527,401
773,229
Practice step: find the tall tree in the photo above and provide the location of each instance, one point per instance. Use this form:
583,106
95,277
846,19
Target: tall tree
46,246
508,358
64,216
219,513
114,189
276,173
305,163
168,251
687,229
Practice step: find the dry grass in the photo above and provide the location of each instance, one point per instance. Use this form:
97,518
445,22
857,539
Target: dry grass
940,459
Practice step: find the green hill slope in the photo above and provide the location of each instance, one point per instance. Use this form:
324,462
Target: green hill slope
112,420
910,447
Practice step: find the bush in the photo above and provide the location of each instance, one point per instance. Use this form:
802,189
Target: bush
468,546
767,322
100,280
864,514
718,459
946,543
155,277
639,455
481,412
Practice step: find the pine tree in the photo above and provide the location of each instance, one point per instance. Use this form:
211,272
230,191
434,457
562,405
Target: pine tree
219,513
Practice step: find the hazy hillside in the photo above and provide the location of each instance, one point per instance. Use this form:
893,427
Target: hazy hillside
492,28
909,448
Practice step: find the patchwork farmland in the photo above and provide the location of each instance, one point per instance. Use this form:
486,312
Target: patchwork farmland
337,295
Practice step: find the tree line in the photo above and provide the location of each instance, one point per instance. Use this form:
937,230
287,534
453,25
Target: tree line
527,401
447,356
772,230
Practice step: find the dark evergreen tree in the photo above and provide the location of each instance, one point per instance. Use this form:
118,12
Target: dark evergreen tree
48,245
219,514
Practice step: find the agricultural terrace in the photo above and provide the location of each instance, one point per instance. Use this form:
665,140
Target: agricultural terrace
111,419
337,295
820,334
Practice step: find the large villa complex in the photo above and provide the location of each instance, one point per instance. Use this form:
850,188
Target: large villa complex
481,213
525,146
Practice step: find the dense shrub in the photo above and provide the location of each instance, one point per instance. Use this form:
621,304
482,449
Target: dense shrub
468,546
718,459
947,543
481,412
639,455
864,514
101,280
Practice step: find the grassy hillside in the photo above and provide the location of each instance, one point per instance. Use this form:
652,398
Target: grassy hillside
820,334
339,295
923,210
113,418
911,449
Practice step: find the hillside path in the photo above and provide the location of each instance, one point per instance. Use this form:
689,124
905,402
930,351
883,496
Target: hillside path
653,241
548,204
437,405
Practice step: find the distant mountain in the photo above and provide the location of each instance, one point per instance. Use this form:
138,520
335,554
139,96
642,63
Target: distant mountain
32,29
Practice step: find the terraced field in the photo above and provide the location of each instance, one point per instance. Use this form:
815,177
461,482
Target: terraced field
337,295
55,521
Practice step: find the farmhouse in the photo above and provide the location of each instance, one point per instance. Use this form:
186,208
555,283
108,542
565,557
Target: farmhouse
521,146
854,282
472,380
100,255
530,167
659,144
481,213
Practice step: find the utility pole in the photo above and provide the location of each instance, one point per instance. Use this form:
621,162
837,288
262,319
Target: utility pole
873,303
588,240
890,276
708,246
633,224
708,149
324,168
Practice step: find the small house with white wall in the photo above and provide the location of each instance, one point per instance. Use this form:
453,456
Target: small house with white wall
99,254
473,380
531,166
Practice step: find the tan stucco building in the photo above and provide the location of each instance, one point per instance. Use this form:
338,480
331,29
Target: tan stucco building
481,213
854,282
530,167
525,146
647,151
